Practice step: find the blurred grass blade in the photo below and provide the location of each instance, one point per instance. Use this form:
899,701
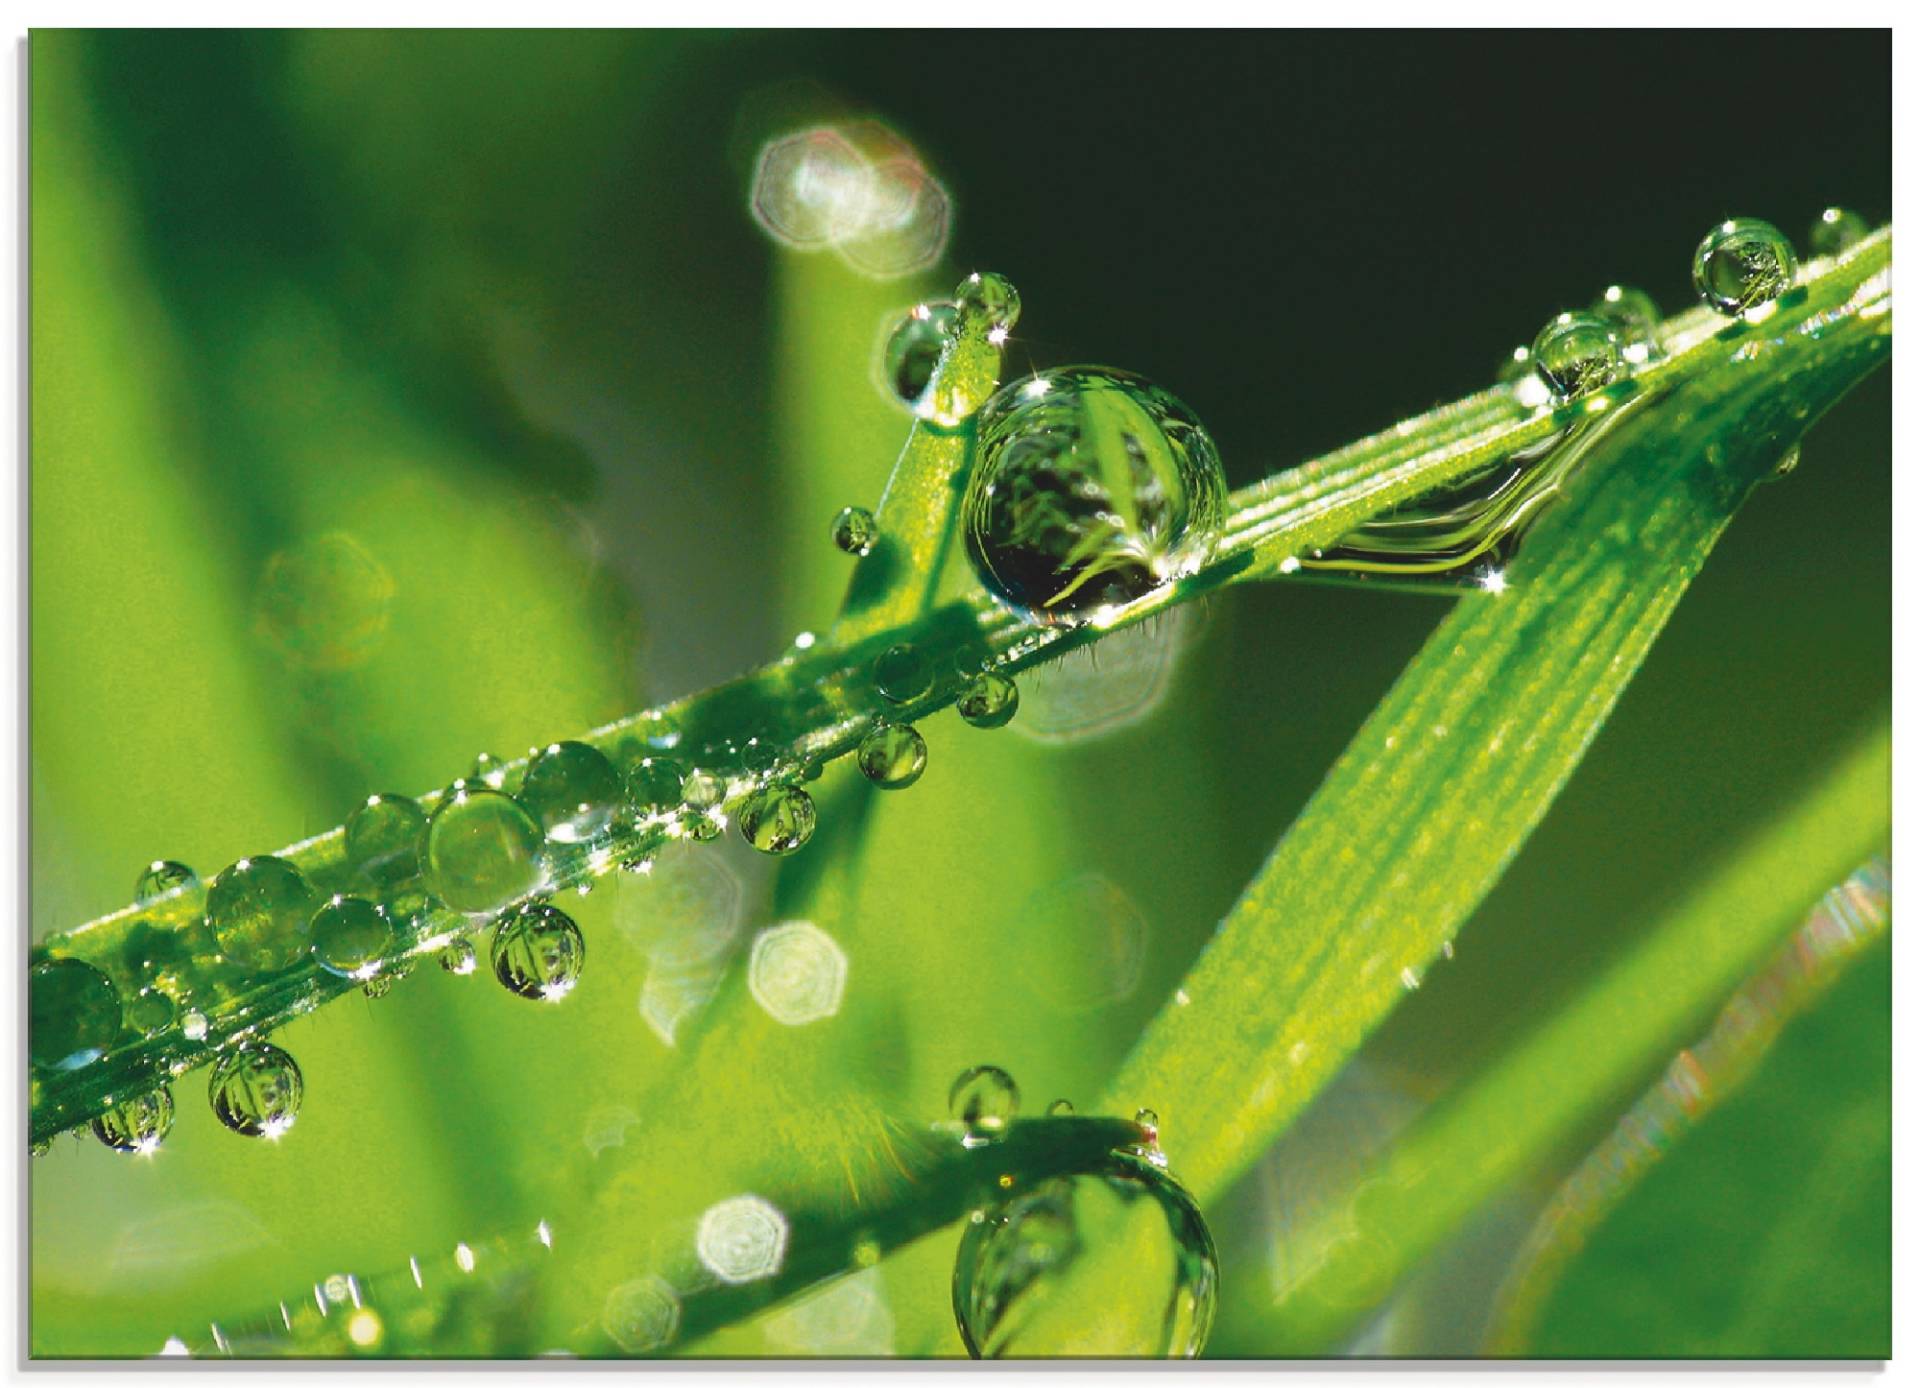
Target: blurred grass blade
1501,1125
1849,919
1442,786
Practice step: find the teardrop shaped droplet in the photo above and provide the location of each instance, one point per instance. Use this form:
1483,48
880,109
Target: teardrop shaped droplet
137,1125
989,700
573,790
350,937
483,850
656,787
255,1090
1837,229
538,952
902,673
913,351
855,530
261,912
778,819
1091,489
384,836
1111,1262
162,876
983,1100
1743,263
73,1014
892,756
1577,353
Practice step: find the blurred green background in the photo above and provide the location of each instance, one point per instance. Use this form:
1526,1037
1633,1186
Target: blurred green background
492,305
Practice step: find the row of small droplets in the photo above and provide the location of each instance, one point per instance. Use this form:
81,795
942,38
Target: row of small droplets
1740,268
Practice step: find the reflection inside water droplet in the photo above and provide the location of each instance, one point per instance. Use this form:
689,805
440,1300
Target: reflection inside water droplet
1115,1261
538,952
255,1090
1743,263
983,1100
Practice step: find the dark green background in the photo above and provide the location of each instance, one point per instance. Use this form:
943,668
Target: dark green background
1305,236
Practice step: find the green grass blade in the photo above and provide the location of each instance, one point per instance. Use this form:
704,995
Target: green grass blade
1449,776
1514,1114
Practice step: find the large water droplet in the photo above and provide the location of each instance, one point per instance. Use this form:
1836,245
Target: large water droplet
777,819
350,936
892,756
1115,1261
261,912
854,531
162,876
1837,229
538,952
573,790
255,1090
1092,488
913,351
483,850
74,1014
989,700
137,1125
1743,263
983,1100
1577,353
384,835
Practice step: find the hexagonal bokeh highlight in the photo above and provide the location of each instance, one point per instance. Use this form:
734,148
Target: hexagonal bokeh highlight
797,973
742,1239
857,188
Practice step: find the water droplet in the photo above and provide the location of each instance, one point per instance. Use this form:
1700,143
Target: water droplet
1149,1120
1060,1108
777,819
41,1148
483,851
163,876
1516,366
1036,1273
902,673
1743,263
379,986
193,1025
704,790
384,835
460,958
1577,353
138,1125
1092,488
991,298
1788,462
74,1014
350,936
656,786
151,1011
1837,229
983,1100
913,351
855,530
892,756
261,912
574,790
255,1090
538,952
488,770
989,700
